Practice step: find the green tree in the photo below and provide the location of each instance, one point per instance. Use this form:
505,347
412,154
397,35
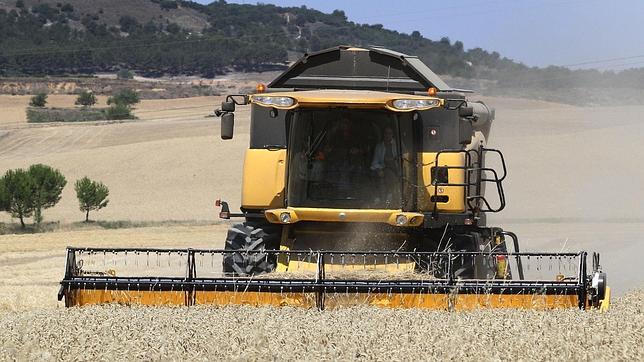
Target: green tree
126,97
39,100
48,185
4,197
91,195
128,24
68,8
86,99
125,74
19,193
119,111
169,4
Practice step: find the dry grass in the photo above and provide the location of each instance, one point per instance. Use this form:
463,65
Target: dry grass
35,326
171,166
244,333
32,265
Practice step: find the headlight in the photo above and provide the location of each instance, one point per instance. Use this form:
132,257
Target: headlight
274,101
414,104
401,220
285,217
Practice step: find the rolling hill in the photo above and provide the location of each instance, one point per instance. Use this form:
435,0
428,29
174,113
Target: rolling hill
172,37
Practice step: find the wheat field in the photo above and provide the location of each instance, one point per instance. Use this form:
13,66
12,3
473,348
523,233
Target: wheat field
166,169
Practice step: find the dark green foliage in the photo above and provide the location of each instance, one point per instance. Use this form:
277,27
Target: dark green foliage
124,74
41,115
128,24
168,4
91,195
18,194
25,193
20,4
39,100
245,38
119,112
48,184
4,197
68,8
173,28
126,97
86,99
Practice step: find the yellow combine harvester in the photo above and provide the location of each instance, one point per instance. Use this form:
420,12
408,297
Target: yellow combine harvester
364,183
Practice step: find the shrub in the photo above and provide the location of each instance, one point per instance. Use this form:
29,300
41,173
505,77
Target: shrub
118,112
39,100
124,74
48,184
86,99
169,4
40,115
91,195
4,197
126,97
18,188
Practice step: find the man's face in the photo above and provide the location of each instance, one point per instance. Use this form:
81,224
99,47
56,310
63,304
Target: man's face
388,135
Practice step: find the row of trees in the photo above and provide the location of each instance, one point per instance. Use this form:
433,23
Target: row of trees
26,193
120,104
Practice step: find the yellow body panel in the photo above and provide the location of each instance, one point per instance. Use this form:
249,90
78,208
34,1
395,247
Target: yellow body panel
256,299
332,300
81,297
263,179
605,303
347,98
343,215
456,194
521,301
295,266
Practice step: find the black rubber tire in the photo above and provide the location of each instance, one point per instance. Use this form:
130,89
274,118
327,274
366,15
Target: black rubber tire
250,239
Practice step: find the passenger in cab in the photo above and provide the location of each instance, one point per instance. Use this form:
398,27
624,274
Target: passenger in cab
386,165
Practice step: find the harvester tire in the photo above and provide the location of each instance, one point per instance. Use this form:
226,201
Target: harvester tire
249,241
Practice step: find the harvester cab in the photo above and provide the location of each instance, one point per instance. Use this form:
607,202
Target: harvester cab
367,181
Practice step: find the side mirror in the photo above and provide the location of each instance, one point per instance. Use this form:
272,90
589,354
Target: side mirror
465,131
227,125
228,106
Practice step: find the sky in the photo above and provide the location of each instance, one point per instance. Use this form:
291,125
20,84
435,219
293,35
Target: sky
600,34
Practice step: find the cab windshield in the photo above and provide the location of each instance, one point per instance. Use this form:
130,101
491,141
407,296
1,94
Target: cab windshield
347,159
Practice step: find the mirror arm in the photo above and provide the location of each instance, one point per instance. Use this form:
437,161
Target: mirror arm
234,98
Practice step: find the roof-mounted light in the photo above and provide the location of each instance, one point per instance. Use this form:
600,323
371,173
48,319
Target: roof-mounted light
406,105
274,101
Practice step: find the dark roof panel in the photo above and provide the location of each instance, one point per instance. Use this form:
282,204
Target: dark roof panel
345,67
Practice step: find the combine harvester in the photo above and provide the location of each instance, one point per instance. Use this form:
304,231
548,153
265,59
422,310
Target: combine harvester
364,183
